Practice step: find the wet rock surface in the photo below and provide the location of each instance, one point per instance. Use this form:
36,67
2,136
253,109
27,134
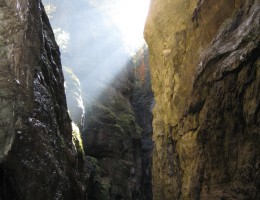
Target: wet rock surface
38,160
204,58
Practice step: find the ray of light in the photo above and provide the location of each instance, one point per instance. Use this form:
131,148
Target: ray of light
95,37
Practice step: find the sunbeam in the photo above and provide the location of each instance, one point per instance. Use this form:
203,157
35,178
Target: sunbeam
106,78
129,16
97,38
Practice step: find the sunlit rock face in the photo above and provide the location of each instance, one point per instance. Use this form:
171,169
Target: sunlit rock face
204,58
38,160
75,97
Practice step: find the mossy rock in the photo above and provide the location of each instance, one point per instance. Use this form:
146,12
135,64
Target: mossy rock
117,117
98,186
100,114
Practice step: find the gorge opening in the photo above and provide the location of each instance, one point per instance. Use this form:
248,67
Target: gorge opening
194,135
108,90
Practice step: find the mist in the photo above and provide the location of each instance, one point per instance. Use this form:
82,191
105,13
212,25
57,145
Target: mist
107,84
92,45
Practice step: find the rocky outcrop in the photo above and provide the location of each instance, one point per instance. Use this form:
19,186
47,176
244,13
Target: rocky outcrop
204,58
113,137
37,158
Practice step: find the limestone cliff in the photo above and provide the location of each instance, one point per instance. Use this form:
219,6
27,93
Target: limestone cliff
204,58
113,137
37,158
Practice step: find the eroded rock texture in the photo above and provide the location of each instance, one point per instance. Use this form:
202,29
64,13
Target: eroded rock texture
204,58
38,160
113,137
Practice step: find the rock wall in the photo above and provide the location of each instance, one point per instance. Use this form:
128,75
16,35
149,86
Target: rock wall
204,58
100,66
75,97
142,102
113,138
37,158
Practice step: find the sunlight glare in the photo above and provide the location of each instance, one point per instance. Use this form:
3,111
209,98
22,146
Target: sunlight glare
130,16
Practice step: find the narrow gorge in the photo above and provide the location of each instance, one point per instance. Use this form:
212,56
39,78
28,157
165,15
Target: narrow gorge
89,111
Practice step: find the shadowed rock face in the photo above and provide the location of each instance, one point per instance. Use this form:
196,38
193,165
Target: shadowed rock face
204,58
38,160
142,102
96,54
113,137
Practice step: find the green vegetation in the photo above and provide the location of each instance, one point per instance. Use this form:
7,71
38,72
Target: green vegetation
125,118
117,115
71,74
101,115
77,140
99,186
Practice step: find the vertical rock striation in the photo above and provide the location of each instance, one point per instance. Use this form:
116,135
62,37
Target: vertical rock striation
204,58
37,158
113,137
142,101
